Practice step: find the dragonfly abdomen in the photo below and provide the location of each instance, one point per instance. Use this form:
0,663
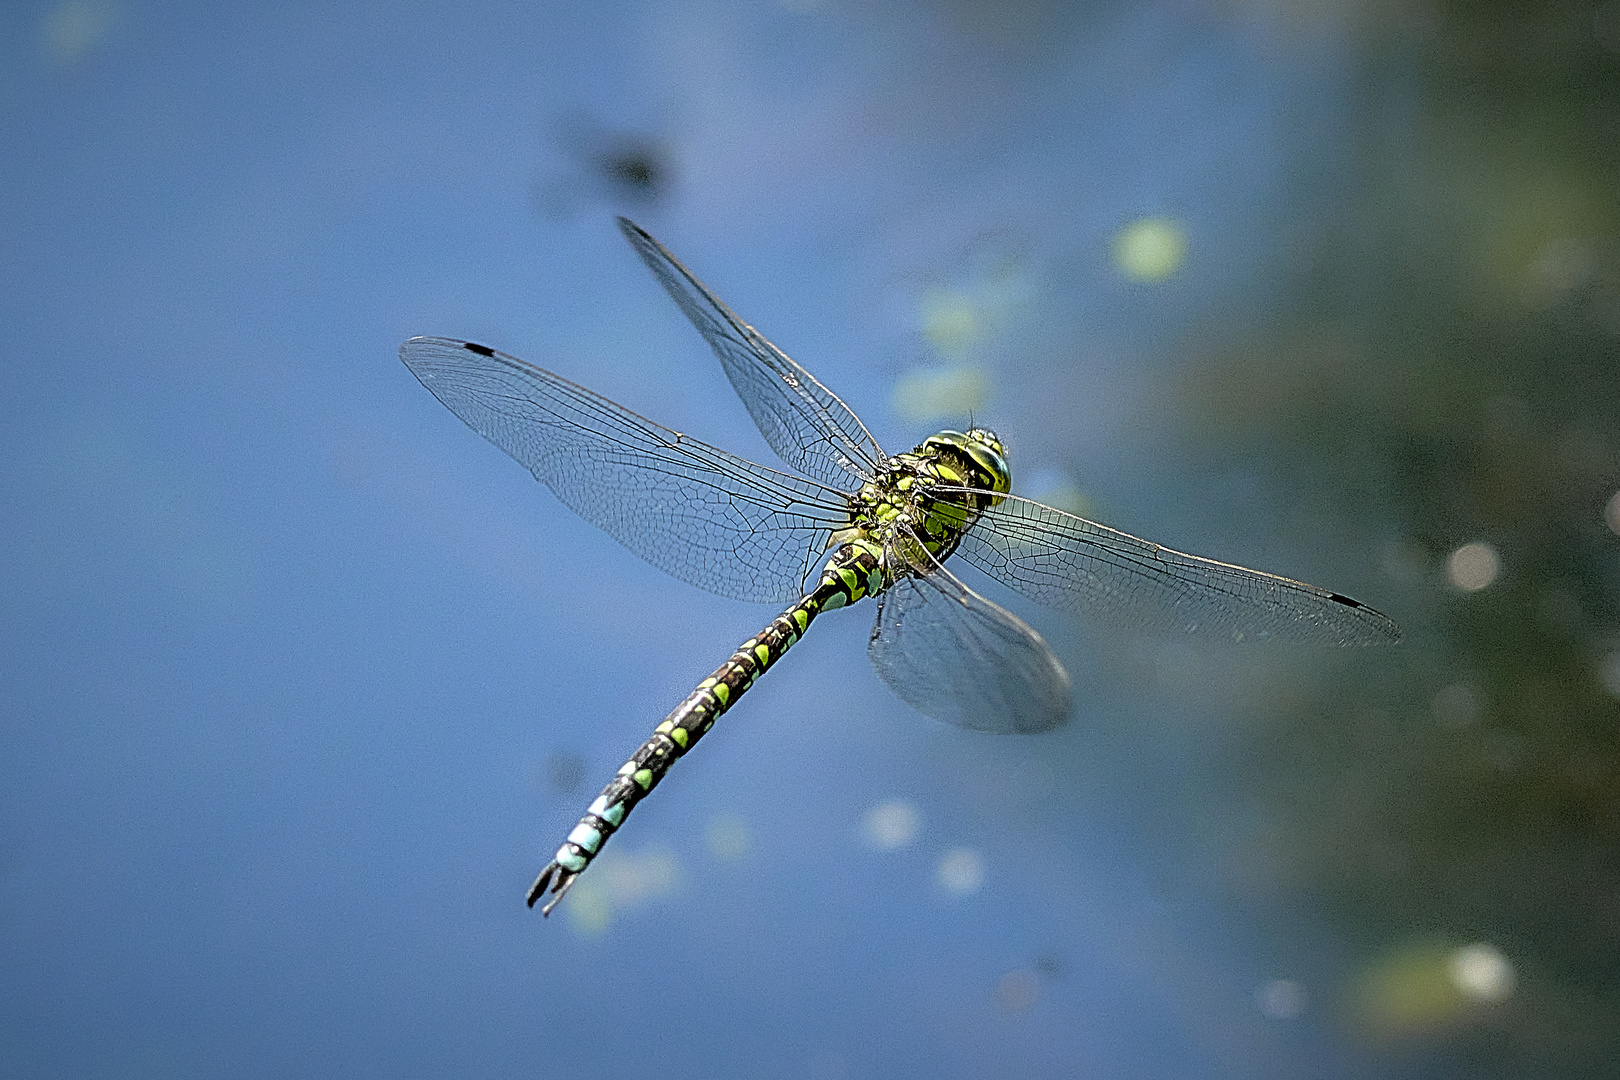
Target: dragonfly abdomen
850,575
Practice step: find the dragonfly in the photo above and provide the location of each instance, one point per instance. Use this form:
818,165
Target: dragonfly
850,522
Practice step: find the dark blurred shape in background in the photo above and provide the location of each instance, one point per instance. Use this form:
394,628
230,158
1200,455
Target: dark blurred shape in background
603,168
565,772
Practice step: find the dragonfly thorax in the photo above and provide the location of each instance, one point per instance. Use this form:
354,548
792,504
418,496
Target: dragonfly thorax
918,498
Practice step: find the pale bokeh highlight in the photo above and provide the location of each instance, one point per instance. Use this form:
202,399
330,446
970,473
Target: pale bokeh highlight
891,825
1150,249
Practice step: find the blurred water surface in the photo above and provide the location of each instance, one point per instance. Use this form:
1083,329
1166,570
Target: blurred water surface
302,681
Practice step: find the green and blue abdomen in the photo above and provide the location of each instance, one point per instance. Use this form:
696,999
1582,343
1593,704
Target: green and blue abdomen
853,573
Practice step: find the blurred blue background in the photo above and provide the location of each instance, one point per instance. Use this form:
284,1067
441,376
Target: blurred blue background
301,682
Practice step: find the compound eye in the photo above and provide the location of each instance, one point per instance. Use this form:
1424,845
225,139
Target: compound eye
940,439
992,464
988,438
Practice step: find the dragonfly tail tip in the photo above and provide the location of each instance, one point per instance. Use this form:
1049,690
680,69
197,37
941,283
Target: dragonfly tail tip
541,882
559,887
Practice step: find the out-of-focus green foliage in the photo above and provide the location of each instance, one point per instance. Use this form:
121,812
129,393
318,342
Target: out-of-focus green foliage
1451,364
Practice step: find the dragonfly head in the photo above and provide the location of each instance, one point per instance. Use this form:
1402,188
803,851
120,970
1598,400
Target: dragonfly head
981,451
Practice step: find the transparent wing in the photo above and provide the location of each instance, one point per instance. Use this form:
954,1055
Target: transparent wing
952,654
1064,561
710,518
804,422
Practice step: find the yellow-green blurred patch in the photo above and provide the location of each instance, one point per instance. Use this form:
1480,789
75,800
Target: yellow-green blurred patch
617,881
1150,249
922,396
951,323
74,27
1425,989
728,837
1064,496
987,293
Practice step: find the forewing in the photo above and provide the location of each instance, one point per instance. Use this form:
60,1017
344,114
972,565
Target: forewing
952,654
804,422
710,518
1064,561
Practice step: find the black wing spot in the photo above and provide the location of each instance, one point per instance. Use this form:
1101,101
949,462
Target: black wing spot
481,350
1345,600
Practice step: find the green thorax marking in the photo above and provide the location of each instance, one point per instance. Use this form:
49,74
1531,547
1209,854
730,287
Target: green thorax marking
904,505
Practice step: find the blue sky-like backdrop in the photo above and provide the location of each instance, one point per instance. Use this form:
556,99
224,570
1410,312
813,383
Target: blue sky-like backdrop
302,681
